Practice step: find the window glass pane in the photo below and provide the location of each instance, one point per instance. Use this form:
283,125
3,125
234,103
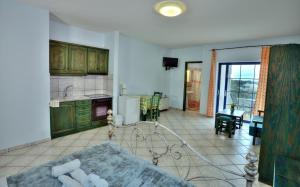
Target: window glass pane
247,71
248,113
233,84
257,70
246,85
245,99
234,71
255,85
232,97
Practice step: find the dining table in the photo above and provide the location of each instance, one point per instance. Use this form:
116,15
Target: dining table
237,115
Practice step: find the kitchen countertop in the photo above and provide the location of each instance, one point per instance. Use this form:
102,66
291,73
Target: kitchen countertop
78,98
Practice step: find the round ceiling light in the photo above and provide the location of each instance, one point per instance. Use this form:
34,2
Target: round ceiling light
170,8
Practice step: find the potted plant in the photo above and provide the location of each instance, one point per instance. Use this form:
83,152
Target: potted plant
232,107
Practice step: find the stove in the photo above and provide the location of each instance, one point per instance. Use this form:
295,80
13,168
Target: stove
101,103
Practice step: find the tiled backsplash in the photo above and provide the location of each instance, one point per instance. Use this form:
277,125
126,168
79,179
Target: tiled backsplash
85,85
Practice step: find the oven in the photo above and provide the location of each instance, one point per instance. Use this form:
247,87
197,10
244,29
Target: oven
100,106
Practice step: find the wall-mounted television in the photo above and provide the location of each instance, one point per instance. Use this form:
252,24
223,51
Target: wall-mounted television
169,62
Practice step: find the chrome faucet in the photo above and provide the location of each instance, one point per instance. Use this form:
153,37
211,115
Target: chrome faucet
66,90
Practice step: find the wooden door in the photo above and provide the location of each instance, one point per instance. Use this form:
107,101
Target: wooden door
58,58
93,61
77,60
103,59
63,119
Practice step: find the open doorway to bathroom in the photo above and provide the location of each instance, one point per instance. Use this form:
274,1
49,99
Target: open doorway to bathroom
192,86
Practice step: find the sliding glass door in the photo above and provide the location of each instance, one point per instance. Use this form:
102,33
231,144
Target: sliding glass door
237,83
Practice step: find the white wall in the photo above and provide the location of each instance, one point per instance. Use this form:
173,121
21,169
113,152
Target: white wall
175,78
24,74
67,33
140,66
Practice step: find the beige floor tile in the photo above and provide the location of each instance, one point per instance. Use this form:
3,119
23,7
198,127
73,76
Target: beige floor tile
172,170
199,183
86,136
71,150
64,143
80,143
94,142
37,150
210,171
8,171
236,159
22,161
5,159
19,151
54,151
72,137
230,171
43,159
219,159
189,172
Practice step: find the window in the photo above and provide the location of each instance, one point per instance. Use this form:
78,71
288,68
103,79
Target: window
237,83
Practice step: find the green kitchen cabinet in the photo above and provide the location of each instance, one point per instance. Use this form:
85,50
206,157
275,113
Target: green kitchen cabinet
77,63
93,60
99,123
58,58
73,59
83,114
104,62
62,119
97,61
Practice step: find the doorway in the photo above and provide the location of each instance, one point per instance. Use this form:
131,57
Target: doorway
192,86
237,84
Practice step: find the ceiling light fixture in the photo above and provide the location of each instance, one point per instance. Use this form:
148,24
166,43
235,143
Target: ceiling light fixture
170,8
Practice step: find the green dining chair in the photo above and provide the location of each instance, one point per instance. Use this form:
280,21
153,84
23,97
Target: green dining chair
225,123
154,108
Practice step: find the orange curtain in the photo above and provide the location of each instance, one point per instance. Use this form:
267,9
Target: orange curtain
262,83
211,89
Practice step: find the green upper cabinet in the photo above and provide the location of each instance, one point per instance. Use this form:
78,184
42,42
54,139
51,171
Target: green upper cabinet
58,58
104,62
73,59
98,61
63,119
93,60
77,59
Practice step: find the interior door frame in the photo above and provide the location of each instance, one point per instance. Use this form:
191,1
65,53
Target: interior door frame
226,79
184,83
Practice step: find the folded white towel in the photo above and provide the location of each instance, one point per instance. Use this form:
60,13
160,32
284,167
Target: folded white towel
68,181
97,181
65,168
79,175
3,182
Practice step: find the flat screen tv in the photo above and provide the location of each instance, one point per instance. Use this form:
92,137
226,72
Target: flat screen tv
169,62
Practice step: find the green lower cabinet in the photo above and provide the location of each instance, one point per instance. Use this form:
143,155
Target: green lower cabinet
71,117
62,119
99,123
83,115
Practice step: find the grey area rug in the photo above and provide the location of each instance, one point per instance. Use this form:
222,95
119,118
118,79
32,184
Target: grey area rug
116,165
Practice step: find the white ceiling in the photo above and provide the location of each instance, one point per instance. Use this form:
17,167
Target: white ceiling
206,21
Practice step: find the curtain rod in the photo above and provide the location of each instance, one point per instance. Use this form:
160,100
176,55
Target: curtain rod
247,46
